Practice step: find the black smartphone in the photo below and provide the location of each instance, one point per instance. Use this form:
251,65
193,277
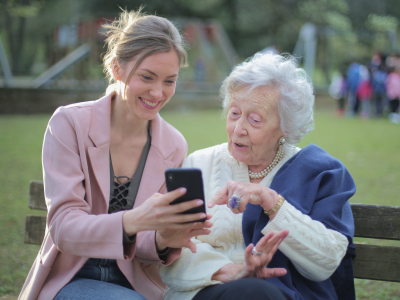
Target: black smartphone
192,180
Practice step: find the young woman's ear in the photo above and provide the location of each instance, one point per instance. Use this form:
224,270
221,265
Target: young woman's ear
116,70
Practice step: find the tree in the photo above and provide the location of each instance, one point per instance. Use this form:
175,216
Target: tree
14,15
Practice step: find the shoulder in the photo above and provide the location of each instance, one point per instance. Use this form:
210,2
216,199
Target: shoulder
315,157
313,166
205,156
168,141
68,125
72,112
77,118
172,132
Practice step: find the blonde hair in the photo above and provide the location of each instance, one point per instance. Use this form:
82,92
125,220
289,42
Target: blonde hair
136,35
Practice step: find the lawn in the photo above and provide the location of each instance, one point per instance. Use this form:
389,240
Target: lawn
369,148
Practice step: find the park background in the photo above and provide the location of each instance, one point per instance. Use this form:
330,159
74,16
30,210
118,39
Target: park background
35,35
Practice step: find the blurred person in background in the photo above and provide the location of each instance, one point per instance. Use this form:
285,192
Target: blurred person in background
393,94
338,90
393,61
364,95
283,225
109,222
376,60
353,81
378,82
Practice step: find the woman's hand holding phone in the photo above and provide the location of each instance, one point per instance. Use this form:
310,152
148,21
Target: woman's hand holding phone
174,229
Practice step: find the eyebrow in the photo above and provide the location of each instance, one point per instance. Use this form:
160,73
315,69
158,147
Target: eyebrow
154,74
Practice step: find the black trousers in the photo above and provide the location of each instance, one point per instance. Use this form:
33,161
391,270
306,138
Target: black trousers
394,105
242,289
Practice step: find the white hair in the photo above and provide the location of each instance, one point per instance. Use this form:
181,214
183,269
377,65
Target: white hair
296,101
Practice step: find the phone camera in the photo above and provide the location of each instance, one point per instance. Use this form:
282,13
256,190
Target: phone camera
170,177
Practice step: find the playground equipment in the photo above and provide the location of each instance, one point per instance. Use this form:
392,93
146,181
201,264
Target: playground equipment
62,66
306,46
5,66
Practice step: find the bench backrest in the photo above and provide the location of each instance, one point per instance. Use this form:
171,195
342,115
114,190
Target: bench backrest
371,221
373,261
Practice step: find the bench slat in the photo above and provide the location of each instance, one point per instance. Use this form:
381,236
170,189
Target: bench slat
35,227
377,262
36,196
376,221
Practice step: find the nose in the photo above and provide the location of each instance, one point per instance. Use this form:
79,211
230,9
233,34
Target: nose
240,127
156,91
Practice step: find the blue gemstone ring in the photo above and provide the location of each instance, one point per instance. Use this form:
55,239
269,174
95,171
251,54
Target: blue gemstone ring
234,202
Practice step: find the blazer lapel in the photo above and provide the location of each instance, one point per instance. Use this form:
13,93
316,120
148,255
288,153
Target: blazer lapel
99,133
157,161
153,176
100,161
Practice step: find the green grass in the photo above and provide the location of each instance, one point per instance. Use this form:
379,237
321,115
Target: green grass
369,149
20,147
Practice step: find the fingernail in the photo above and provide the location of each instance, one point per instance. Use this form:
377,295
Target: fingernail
202,216
200,202
182,190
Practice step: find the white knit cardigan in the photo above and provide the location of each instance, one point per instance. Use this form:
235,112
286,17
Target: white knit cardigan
314,250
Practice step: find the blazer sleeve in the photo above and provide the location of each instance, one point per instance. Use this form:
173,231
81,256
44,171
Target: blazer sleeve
72,228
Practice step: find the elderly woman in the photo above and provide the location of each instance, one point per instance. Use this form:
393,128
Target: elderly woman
262,190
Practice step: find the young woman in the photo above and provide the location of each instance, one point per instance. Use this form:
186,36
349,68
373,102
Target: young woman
109,222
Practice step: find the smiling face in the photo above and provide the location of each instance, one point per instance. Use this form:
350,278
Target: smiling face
253,126
151,85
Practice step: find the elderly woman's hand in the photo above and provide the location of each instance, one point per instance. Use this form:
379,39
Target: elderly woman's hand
255,265
253,193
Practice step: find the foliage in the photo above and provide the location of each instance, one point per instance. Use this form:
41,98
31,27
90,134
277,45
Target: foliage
358,26
324,11
14,15
382,23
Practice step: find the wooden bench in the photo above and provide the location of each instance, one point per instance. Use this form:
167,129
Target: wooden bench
371,221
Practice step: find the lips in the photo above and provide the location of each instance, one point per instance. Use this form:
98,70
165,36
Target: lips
240,146
149,104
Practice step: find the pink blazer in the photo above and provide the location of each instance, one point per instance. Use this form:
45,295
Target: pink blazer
77,187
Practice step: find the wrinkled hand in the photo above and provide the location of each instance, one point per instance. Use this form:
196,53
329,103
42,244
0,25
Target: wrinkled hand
253,193
156,213
255,265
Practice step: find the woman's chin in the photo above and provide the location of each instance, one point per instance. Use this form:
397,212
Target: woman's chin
239,155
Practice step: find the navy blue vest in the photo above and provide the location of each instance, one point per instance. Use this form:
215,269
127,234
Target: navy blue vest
318,185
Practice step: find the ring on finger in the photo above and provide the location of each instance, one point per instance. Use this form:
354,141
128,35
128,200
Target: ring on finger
234,201
254,251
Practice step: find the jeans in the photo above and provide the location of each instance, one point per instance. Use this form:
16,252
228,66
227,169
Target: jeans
99,279
242,289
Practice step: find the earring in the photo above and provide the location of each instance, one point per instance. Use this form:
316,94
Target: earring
282,140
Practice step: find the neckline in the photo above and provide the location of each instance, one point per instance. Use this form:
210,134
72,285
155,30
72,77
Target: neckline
242,170
141,158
